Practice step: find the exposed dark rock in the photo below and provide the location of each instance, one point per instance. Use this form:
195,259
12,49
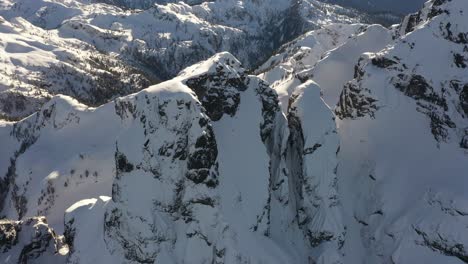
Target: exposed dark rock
219,93
272,137
179,154
358,71
460,60
418,88
304,193
270,109
355,103
69,234
294,153
440,2
203,159
464,142
309,151
125,109
439,125
317,238
464,99
8,234
413,21
430,103
122,164
383,62
458,38
444,245
14,105
115,220
29,240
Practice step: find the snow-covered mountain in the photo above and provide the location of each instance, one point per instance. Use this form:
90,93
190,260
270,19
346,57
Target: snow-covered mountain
395,6
327,56
145,4
95,52
404,113
402,124
36,64
348,145
168,184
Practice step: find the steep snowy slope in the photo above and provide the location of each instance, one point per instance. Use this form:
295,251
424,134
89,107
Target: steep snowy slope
191,169
402,129
44,172
405,116
313,146
337,67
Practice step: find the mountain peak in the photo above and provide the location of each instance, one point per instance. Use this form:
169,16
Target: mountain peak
220,62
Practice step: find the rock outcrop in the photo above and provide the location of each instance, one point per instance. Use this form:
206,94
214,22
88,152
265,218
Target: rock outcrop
31,241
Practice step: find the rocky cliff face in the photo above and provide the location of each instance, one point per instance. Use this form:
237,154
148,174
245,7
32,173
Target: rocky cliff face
438,95
170,163
312,155
177,164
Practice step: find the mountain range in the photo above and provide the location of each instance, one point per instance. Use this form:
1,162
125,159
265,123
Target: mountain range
399,7
232,132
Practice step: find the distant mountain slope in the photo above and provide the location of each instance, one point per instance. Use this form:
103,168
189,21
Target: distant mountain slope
95,52
396,6
145,4
37,64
